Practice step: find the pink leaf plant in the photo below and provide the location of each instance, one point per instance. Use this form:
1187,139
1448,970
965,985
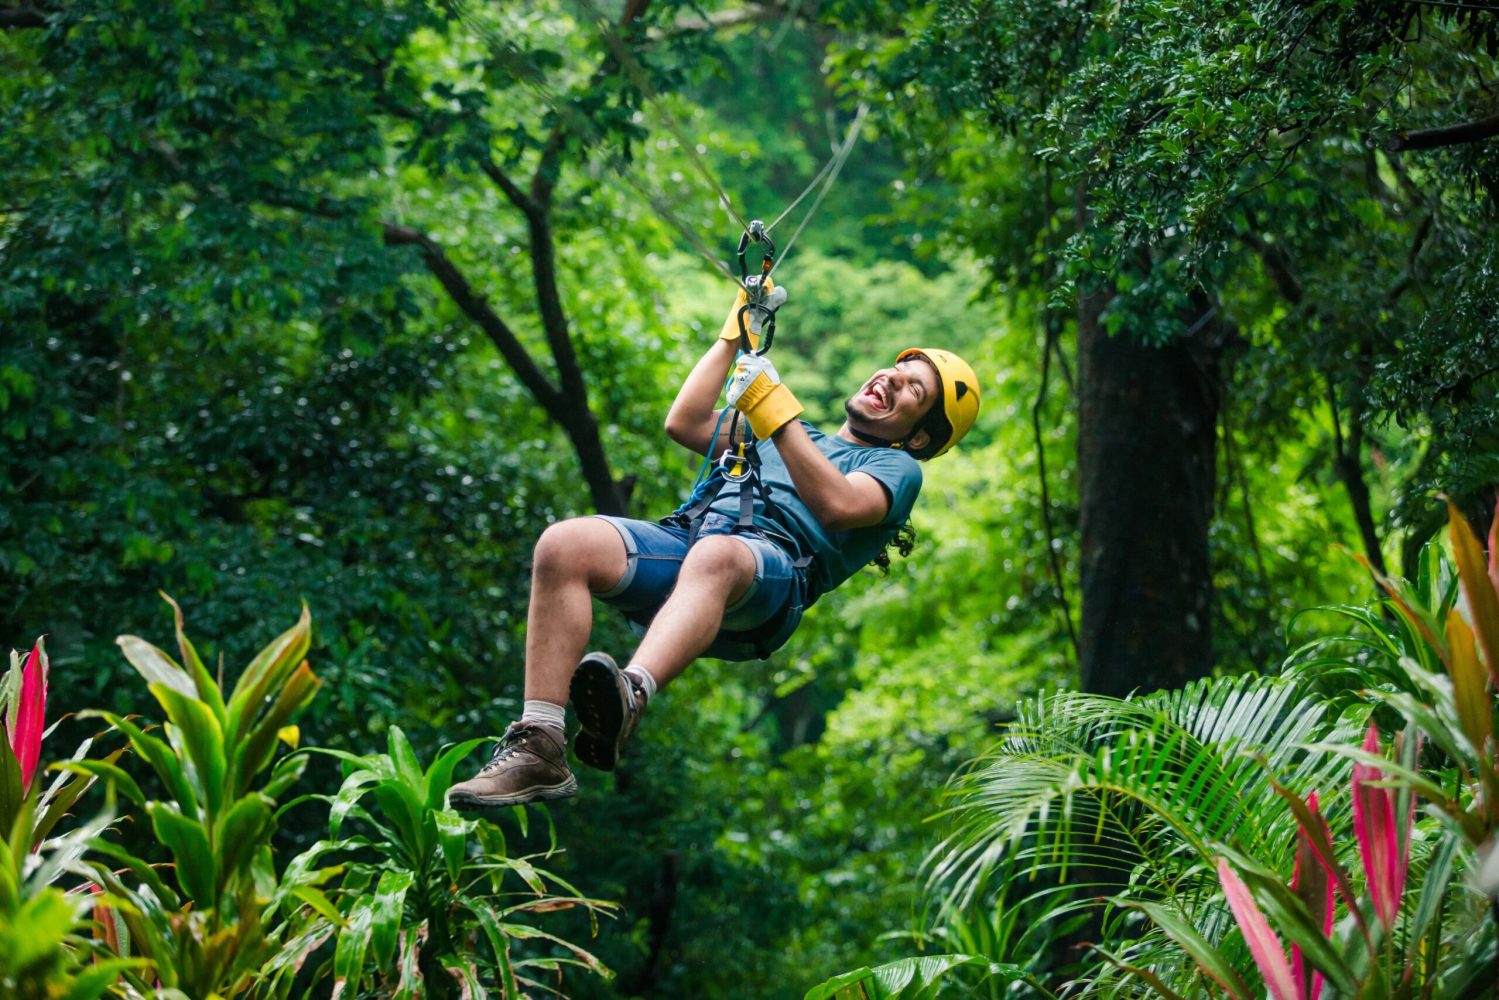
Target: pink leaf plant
1263,942
25,715
1385,851
1313,884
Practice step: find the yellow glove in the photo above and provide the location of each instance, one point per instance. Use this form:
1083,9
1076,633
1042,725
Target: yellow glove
756,391
773,298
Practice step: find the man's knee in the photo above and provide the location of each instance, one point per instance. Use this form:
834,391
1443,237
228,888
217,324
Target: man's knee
581,546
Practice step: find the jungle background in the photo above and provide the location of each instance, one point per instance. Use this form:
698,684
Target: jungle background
344,303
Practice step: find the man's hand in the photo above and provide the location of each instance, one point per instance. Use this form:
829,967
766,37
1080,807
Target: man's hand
756,391
774,298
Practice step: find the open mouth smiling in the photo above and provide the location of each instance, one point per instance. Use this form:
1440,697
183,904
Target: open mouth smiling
878,395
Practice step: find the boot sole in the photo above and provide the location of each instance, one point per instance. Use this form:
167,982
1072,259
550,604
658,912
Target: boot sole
536,793
595,696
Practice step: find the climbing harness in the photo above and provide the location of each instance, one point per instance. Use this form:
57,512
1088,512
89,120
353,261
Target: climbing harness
740,463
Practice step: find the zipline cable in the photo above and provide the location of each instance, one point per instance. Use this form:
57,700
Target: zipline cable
632,66
626,59
522,69
837,164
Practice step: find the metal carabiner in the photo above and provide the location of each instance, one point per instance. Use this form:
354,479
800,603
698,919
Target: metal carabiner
755,290
741,470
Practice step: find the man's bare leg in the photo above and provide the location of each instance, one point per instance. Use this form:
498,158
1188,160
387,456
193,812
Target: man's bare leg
716,573
718,570
574,560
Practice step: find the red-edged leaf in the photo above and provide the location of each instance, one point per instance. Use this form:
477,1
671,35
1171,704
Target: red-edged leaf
1470,693
1403,605
1494,548
1319,838
1263,943
1374,826
1478,587
31,709
1313,884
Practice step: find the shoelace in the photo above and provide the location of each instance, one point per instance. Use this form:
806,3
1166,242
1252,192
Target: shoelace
506,748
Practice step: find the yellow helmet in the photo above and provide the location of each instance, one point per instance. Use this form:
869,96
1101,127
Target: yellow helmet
958,406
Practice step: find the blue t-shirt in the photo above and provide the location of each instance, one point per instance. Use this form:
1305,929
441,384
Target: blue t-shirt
836,555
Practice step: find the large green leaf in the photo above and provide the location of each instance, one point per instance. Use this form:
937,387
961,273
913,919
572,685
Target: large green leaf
352,946
452,839
188,841
389,909
440,774
203,681
258,736
205,743
156,666
239,833
408,768
265,675
907,978
11,789
163,761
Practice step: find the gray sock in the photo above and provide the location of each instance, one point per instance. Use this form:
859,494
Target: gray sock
642,677
545,713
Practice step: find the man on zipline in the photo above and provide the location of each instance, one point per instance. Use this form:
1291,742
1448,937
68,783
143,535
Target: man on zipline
730,573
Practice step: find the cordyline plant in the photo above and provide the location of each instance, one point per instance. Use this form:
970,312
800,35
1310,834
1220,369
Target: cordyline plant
201,922
1393,942
23,708
43,950
432,904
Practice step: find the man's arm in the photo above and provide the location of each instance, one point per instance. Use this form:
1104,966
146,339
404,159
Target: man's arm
694,413
839,502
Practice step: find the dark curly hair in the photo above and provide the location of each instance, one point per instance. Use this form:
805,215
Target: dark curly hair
903,542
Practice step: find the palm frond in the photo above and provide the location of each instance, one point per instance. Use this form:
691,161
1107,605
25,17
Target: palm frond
1111,783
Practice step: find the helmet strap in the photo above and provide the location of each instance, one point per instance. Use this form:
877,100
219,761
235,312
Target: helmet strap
871,439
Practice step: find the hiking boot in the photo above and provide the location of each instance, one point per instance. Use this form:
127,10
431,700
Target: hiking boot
530,763
609,704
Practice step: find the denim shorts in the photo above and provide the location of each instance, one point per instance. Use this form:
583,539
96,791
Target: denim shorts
655,552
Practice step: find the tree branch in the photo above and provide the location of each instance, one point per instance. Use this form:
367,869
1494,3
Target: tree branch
721,19
1277,268
477,308
1348,465
1445,135
19,18
509,188
1053,330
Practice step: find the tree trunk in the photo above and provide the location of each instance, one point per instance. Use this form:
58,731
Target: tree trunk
1146,464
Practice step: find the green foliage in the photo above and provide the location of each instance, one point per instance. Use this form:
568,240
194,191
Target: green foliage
1139,800
43,952
907,979
417,910
204,929
432,902
1250,150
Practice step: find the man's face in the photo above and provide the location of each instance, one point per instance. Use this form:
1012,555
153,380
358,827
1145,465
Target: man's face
894,400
